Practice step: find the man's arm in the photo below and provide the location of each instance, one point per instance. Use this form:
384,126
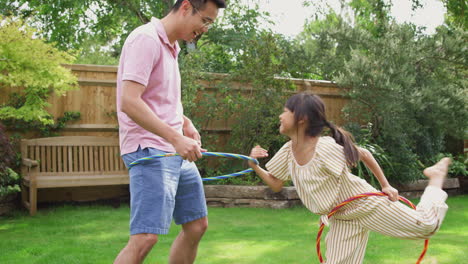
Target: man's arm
191,131
140,113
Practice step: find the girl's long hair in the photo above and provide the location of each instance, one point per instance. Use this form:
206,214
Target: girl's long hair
310,107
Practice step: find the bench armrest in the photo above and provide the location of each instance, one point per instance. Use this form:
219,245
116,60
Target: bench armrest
29,162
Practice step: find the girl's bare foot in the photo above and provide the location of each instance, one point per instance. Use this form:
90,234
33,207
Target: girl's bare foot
437,172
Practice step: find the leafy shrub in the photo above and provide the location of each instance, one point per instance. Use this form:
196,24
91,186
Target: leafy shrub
363,136
458,166
9,179
32,67
253,108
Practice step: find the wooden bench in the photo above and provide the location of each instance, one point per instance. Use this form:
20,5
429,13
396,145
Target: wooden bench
69,161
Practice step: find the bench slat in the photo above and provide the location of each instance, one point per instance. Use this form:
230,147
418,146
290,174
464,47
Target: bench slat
43,159
101,158
80,180
85,158
72,141
48,151
80,159
54,158
75,158
111,158
59,159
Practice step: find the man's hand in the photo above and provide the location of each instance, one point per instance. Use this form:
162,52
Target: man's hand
191,132
188,148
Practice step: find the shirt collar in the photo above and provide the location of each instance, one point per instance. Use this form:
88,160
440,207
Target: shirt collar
163,35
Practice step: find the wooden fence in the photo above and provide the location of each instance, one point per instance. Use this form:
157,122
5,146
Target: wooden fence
96,101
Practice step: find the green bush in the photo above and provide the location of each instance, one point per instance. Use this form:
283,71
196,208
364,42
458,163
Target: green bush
34,68
458,166
410,86
253,108
9,179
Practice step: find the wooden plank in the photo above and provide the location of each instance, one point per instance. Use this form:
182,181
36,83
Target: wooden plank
86,158
65,158
59,159
54,158
43,159
92,157
75,141
80,159
92,127
75,158
106,158
79,180
70,158
101,158
92,68
111,159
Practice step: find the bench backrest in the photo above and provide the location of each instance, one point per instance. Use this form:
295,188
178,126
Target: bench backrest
74,154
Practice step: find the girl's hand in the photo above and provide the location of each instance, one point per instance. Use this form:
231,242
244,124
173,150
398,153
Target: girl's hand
391,192
258,152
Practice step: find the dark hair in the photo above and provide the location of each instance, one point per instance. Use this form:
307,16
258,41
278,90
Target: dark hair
199,4
310,107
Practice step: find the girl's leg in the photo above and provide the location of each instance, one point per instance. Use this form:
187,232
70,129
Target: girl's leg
346,242
398,220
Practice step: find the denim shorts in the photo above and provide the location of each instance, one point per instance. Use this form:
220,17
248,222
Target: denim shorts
163,189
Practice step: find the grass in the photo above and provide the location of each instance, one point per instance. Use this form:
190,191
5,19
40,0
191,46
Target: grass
81,234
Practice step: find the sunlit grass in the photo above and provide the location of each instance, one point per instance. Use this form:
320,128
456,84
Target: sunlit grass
96,233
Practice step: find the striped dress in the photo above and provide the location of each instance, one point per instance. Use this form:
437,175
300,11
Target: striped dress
326,180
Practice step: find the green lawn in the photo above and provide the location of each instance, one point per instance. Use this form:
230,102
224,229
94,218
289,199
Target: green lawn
96,233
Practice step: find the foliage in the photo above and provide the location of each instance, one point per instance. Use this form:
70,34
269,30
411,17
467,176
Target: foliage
9,179
457,168
71,23
364,139
33,67
421,79
252,109
252,57
46,130
456,13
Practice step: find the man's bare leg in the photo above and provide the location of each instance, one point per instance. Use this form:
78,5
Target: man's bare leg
185,246
137,248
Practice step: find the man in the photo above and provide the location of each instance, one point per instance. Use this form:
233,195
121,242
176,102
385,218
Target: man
151,121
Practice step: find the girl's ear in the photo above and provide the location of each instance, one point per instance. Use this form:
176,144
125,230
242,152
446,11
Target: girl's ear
302,121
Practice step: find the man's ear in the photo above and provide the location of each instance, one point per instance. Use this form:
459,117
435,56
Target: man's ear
185,6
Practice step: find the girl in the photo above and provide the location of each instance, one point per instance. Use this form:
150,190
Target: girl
319,169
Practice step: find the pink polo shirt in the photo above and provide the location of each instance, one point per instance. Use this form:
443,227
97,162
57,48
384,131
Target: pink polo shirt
149,59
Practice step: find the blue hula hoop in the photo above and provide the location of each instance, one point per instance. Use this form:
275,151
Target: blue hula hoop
213,154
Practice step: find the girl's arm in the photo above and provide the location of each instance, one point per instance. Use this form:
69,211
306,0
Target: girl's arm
275,184
372,164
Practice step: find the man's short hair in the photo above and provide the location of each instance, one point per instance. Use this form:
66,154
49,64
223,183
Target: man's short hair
199,4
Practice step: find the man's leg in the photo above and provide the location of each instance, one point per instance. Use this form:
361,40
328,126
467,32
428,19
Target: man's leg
137,248
153,186
184,249
190,212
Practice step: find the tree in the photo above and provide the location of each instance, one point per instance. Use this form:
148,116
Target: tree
34,67
410,86
70,23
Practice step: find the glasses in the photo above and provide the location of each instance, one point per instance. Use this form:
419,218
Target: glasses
207,22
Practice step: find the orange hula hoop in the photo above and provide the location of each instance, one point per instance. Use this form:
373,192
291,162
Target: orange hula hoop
334,210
